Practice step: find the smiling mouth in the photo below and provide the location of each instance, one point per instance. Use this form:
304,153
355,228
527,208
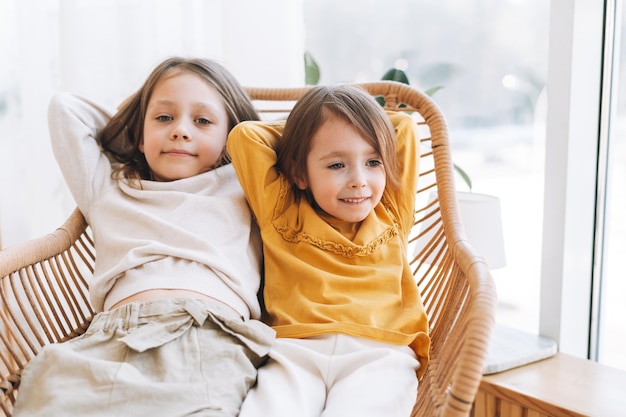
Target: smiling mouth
354,200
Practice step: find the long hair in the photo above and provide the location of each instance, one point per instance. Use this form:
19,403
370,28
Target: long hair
123,134
350,103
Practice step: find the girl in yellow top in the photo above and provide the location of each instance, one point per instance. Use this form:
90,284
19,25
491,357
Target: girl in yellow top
334,199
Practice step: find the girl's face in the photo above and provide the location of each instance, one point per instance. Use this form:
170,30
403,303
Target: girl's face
185,128
345,174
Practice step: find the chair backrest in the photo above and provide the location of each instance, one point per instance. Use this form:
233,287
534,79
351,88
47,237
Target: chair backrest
44,282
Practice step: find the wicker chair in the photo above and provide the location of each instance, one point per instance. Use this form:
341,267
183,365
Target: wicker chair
44,296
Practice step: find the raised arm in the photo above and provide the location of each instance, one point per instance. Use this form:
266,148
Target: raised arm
74,122
251,147
408,153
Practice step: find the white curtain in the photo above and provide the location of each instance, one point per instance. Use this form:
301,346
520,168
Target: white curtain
104,49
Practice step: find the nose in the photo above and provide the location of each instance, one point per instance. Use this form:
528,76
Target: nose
181,131
358,179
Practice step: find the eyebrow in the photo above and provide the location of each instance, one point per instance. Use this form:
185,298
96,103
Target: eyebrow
341,154
199,104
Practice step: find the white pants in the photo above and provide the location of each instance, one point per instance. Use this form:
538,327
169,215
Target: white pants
334,376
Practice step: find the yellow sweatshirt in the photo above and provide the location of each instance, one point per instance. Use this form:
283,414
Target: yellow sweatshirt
319,280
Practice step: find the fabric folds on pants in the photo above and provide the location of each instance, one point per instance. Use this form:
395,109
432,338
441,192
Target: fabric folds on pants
175,357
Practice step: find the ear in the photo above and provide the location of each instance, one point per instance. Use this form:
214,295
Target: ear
141,146
301,183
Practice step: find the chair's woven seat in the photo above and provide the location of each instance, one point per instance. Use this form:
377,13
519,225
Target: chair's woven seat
44,282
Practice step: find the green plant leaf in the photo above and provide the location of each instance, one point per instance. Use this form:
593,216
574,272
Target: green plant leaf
395,74
432,90
311,70
463,175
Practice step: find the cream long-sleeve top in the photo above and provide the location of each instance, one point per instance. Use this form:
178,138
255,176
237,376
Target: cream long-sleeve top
195,233
320,276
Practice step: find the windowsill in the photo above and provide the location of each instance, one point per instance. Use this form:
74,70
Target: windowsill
560,386
525,375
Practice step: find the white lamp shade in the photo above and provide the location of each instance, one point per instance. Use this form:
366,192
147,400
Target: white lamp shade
482,220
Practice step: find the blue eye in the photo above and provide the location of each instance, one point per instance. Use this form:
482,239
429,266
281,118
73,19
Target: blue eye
374,162
164,118
336,165
203,121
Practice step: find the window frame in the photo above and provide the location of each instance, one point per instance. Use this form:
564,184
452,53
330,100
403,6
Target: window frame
574,130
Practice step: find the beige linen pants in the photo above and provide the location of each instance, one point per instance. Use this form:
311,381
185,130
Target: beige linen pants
176,357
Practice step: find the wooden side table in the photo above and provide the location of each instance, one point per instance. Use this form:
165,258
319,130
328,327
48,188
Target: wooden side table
560,386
